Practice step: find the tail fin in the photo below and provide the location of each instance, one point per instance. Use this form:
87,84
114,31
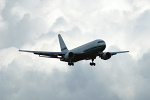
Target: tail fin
62,44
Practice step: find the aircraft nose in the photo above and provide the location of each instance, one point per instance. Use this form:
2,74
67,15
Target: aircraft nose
103,45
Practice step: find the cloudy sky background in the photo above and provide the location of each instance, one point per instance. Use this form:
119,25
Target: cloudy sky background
35,24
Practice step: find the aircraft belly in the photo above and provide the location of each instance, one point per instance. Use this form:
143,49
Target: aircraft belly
88,54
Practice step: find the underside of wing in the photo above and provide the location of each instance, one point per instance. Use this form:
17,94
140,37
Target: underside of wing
107,55
46,53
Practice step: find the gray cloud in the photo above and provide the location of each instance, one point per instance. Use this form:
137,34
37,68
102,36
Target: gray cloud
109,80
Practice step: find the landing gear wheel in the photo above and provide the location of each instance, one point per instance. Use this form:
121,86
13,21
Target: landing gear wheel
92,64
70,63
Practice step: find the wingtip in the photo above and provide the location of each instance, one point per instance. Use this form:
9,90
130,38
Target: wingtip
22,50
125,51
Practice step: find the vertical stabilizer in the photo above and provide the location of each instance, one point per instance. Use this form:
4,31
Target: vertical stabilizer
62,44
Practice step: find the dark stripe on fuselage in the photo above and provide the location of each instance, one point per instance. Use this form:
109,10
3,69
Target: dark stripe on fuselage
88,52
94,49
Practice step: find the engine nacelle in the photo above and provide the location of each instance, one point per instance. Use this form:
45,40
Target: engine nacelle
105,56
68,56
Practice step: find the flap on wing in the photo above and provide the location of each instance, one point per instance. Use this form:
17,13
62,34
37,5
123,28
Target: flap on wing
46,53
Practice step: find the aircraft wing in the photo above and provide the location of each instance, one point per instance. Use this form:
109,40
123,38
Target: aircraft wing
46,53
114,53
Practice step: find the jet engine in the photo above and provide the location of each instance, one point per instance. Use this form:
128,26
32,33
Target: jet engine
68,56
105,56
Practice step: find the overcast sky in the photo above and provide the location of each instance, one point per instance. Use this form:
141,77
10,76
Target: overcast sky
35,24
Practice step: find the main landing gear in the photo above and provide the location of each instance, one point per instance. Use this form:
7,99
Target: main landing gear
92,63
70,63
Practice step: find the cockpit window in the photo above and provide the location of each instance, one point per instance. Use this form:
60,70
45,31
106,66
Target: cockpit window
100,42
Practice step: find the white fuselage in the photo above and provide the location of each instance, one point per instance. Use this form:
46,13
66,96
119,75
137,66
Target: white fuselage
89,50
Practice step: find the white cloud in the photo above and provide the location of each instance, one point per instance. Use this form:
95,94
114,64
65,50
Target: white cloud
8,55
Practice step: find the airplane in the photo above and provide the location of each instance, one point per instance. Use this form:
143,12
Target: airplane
88,51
